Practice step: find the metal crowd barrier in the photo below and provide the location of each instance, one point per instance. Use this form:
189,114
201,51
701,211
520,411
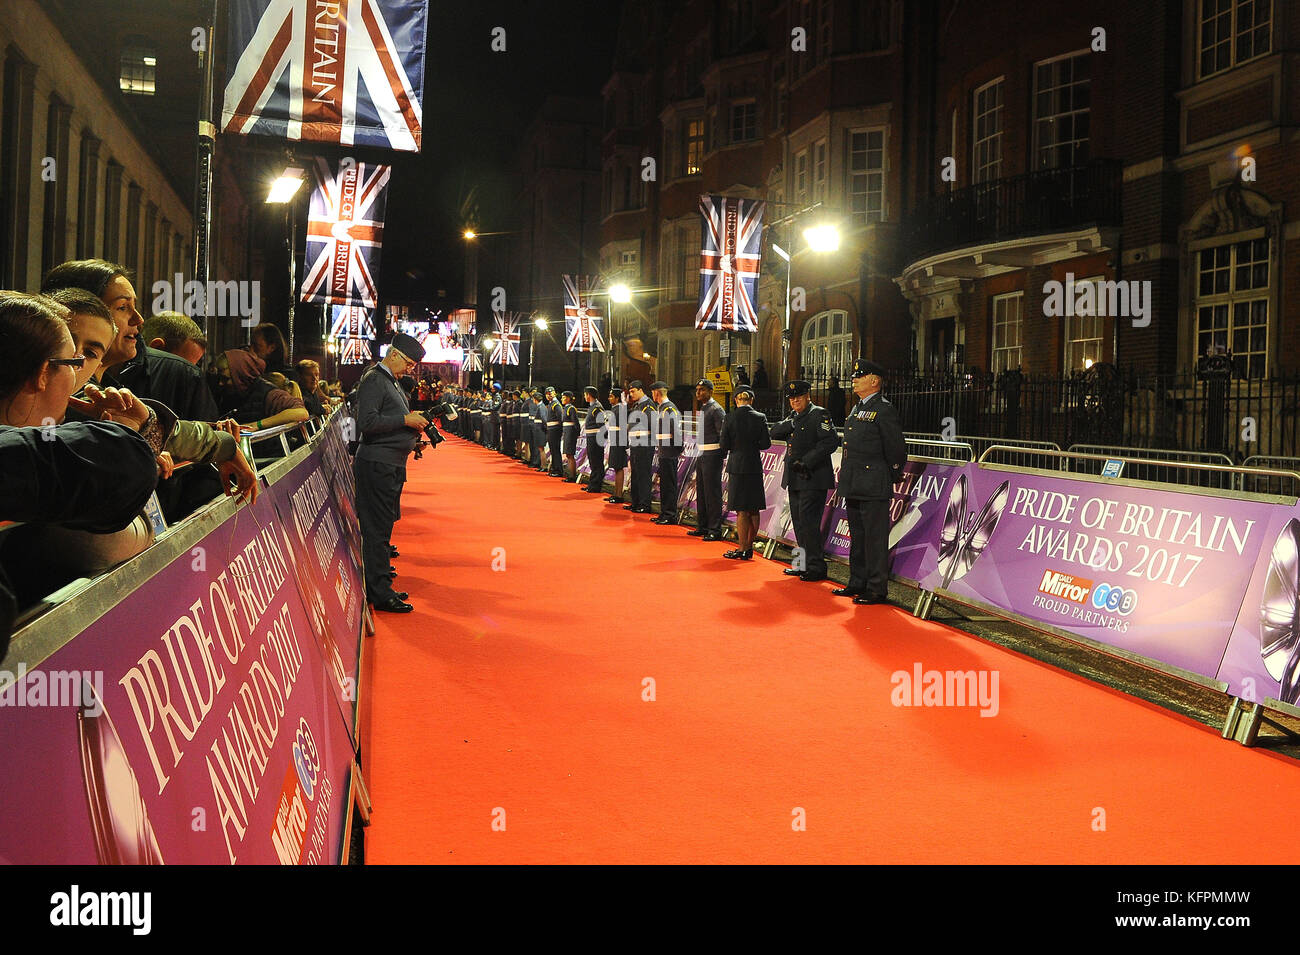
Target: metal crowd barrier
1157,464
955,452
1225,479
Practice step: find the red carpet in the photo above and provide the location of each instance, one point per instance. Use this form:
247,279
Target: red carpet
515,695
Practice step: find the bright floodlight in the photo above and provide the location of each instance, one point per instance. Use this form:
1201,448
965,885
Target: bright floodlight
487,344
620,293
822,238
540,323
284,188
470,234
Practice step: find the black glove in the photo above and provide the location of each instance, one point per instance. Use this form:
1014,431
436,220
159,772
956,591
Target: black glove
801,469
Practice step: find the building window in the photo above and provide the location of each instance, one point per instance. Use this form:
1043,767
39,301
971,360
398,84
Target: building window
801,177
1083,336
688,359
778,94
134,198
628,258
137,64
1232,32
744,122
826,350
824,34
1232,297
819,170
987,160
87,196
689,256
692,146
1007,313
1061,97
866,176
112,210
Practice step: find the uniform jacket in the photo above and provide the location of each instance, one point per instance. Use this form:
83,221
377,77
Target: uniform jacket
811,438
667,428
874,451
712,418
744,435
381,413
640,424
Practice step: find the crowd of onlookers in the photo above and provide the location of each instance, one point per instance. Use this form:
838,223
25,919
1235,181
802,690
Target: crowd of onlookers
101,408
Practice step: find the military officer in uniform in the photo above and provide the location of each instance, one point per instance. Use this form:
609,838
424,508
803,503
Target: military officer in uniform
873,459
570,424
668,439
388,432
596,441
616,441
539,430
808,475
744,436
554,434
640,440
708,466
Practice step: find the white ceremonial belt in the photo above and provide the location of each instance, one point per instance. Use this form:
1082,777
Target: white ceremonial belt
663,437
591,431
613,429
570,424
637,434
709,447
552,424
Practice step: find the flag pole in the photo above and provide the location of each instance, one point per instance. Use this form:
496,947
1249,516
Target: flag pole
207,138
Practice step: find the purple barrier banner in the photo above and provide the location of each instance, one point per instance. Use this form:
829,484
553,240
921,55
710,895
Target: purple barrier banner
194,722
915,513
1262,659
1156,572
325,572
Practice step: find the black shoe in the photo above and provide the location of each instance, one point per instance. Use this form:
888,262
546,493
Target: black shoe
613,500
392,571
661,519
392,551
791,572
863,599
739,554
846,592
698,532
639,510
393,604
712,538
401,594
812,578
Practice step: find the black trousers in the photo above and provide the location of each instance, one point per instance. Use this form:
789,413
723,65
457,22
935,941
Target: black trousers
641,459
668,492
709,490
535,458
868,546
596,458
379,492
806,509
553,438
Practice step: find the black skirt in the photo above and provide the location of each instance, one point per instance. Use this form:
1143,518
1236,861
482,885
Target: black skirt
745,492
570,442
617,457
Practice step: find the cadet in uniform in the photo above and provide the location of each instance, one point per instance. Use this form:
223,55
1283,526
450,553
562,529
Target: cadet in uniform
708,467
539,430
808,474
668,438
640,447
616,441
595,440
570,438
388,431
874,454
744,436
554,434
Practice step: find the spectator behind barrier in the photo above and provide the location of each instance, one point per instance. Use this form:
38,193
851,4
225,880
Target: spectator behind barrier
314,396
92,328
94,476
251,398
175,333
266,341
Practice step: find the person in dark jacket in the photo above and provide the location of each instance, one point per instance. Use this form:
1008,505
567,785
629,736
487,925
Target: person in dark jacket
835,402
596,437
874,454
708,467
744,435
640,440
616,442
667,428
807,475
569,426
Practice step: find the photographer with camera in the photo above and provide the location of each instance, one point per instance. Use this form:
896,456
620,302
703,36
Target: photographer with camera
388,430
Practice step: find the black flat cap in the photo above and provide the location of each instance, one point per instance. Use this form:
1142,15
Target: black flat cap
864,366
409,346
636,384
793,389
745,390
705,384
659,386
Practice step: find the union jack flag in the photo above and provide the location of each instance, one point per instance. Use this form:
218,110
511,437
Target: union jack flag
355,351
505,350
350,321
472,361
335,71
344,233
582,318
730,256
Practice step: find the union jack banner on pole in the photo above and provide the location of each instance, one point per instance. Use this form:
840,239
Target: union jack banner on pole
730,255
472,360
350,321
354,351
505,349
583,323
337,71
344,233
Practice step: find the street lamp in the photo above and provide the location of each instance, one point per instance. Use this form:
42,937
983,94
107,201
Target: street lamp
487,344
819,238
541,324
282,192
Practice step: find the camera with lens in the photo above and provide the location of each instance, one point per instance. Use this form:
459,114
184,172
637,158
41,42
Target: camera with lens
433,434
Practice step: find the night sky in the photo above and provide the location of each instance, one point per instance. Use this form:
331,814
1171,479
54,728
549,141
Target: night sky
476,105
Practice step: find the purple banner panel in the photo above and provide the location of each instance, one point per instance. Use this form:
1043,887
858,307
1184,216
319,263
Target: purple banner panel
1263,657
915,513
1156,572
195,722
325,572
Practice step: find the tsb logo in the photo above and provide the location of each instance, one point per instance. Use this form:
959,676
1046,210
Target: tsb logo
1115,599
